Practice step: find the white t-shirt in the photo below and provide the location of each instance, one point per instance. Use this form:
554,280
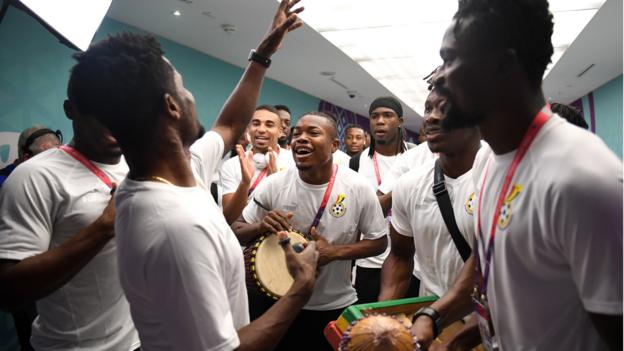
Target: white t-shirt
410,159
341,158
230,172
415,213
180,265
46,201
559,251
367,170
359,212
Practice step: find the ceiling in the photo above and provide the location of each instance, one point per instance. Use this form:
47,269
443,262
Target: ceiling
312,64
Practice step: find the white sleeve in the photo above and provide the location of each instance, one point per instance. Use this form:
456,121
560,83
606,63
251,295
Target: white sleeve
253,213
28,203
230,176
206,154
185,278
586,217
372,223
400,216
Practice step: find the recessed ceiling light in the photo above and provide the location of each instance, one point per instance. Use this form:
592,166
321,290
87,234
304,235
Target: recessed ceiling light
176,12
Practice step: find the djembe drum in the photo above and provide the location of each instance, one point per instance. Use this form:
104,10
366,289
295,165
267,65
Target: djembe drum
265,265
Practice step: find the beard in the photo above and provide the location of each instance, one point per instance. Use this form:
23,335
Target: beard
454,117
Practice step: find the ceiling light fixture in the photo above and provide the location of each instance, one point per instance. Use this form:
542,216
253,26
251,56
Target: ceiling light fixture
176,12
399,48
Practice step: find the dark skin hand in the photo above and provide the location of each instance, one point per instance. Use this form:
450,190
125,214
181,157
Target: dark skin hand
265,332
361,249
274,221
26,281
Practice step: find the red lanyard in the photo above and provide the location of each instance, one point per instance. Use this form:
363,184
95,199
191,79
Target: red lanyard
257,181
260,177
376,166
537,124
90,166
328,191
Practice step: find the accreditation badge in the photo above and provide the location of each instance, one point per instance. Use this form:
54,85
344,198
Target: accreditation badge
484,320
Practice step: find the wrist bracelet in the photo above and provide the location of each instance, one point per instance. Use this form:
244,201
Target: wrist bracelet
256,57
434,315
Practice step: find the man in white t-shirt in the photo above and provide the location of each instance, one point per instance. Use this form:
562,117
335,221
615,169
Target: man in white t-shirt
330,203
554,271
180,265
417,224
56,226
374,162
240,176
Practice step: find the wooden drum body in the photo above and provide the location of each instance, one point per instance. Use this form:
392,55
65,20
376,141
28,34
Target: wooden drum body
265,265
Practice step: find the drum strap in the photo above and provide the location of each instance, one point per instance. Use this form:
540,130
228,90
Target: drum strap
328,191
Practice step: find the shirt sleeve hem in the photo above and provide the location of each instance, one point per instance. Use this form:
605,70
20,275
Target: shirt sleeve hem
399,229
603,307
230,344
18,256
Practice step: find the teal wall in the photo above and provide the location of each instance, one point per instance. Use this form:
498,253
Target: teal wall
34,69
608,113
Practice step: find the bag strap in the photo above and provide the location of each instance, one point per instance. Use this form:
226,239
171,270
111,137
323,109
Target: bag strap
444,203
354,162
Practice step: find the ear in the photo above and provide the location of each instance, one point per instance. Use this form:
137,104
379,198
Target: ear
335,145
171,107
401,120
68,107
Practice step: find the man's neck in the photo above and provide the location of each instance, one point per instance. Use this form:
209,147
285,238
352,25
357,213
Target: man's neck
93,155
388,149
504,129
318,175
169,161
454,164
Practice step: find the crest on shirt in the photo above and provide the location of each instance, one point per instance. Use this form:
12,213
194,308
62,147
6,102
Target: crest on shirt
470,204
506,209
338,209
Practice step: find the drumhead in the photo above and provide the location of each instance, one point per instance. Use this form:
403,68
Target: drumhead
270,262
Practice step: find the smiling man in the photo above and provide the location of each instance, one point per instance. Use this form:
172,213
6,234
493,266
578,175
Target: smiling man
330,203
548,219
241,175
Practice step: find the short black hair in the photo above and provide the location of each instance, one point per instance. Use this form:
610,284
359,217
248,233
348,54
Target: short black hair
267,108
526,26
329,116
352,125
570,113
282,108
121,81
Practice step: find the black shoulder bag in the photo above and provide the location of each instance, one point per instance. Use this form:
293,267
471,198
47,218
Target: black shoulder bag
444,203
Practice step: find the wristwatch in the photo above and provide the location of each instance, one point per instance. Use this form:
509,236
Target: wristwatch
256,57
434,315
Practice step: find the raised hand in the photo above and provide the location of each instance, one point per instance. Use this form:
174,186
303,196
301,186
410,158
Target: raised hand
284,21
246,164
323,246
272,166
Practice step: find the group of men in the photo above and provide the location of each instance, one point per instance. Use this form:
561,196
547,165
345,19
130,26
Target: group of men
506,210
